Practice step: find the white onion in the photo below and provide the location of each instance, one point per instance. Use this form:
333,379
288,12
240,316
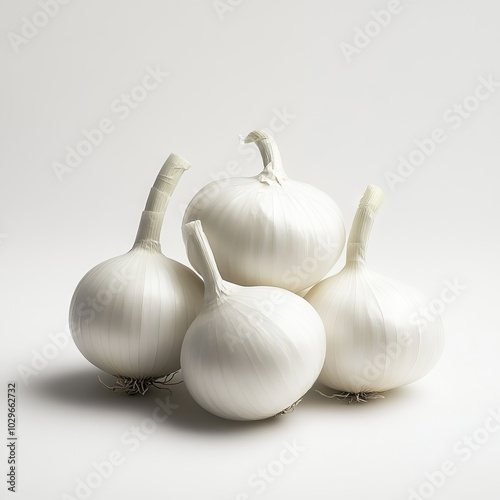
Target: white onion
268,229
374,341
129,315
252,351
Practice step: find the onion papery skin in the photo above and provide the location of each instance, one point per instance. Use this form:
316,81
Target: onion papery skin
376,338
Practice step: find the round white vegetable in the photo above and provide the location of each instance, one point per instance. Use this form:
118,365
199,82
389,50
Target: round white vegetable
268,229
376,340
252,352
129,315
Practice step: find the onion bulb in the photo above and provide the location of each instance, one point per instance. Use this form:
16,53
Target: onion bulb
252,352
374,342
269,229
128,315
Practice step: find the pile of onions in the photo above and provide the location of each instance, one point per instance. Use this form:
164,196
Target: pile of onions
249,346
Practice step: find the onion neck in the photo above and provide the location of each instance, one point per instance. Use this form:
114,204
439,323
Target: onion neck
273,167
197,244
362,225
148,234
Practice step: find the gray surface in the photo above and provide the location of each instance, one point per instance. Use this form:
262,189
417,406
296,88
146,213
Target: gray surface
350,123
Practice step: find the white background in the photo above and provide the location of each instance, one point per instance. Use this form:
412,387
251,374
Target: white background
231,71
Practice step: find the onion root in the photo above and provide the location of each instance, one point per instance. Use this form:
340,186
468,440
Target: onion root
289,409
132,386
351,397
